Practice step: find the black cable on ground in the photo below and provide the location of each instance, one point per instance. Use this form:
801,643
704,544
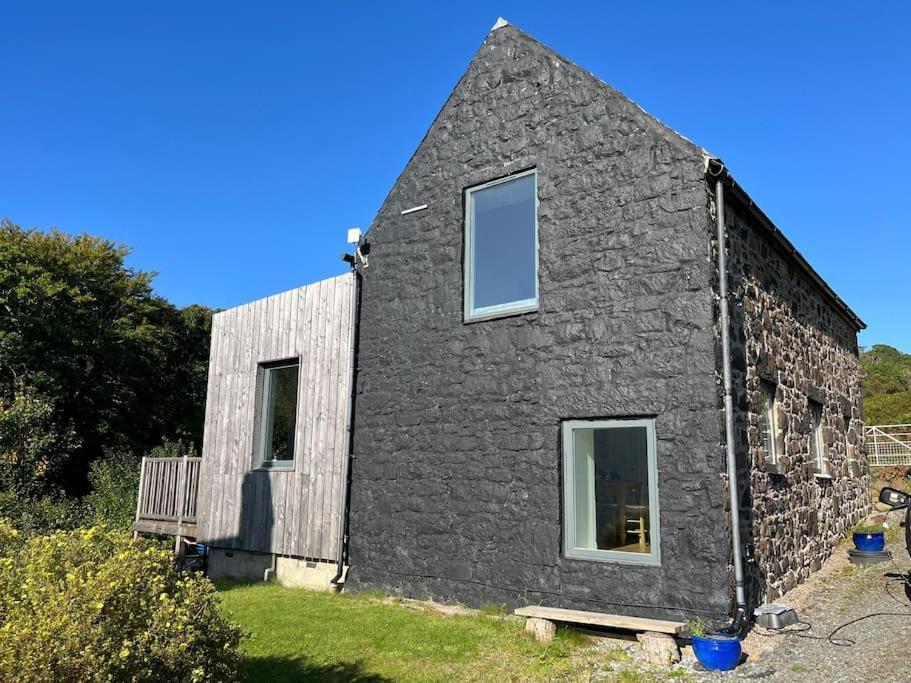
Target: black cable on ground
840,642
904,581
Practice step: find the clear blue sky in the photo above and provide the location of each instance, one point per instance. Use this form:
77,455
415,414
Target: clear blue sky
232,144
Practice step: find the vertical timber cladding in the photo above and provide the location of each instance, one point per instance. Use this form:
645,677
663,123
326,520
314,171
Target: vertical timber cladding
293,512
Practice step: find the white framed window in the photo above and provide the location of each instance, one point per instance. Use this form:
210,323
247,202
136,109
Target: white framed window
501,247
852,466
610,491
768,431
277,414
817,440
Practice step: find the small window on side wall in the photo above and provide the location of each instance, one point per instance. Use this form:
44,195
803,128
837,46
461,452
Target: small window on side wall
852,466
501,247
610,491
817,441
277,412
768,430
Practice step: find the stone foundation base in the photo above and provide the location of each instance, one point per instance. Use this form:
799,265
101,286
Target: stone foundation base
237,564
288,571
297,573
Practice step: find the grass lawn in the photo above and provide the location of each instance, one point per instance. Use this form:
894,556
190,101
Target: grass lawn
302,635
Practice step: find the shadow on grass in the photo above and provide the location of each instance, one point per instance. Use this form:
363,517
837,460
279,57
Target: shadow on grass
225,585
282,670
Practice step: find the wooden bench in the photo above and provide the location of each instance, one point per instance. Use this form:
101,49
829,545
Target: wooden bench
540,621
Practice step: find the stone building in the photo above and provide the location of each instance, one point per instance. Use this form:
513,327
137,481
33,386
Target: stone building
539,415
799,405
529,406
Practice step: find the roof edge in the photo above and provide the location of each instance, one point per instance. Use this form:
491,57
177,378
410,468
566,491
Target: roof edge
779,237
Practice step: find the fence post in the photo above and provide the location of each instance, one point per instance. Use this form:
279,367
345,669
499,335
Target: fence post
180,496
140,498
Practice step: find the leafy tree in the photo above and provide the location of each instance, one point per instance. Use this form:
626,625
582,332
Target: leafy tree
34,449
122,367
886,385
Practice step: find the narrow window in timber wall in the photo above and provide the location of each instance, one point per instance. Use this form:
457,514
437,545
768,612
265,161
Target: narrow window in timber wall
501,247
610,491
767,427
278,414
817,445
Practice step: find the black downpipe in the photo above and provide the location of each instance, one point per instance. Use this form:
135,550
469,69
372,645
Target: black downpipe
346,499
717,172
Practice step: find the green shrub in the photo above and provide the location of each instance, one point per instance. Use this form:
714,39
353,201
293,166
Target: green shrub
33,447
37,516
173,449
10,538
699,627
115,482
864,528
91,605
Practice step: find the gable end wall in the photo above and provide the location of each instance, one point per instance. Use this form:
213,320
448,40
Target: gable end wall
456,483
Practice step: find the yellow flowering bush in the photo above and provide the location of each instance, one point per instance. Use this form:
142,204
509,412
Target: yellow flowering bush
92,605
9,538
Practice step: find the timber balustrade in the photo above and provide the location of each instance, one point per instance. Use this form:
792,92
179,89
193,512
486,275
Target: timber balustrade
168,491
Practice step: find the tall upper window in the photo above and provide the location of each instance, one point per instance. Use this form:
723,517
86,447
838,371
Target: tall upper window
817,444
610,491
501,254
278,414
767,428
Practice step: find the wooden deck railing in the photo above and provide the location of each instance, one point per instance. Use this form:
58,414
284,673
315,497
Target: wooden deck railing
168,489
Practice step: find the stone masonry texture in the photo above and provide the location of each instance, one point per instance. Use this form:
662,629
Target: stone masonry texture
456,483
785,332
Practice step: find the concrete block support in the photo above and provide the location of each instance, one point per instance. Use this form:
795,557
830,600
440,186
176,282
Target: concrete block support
237,564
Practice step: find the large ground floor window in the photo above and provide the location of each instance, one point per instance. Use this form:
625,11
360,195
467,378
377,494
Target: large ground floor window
610,491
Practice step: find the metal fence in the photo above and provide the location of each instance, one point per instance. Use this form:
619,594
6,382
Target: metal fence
888,445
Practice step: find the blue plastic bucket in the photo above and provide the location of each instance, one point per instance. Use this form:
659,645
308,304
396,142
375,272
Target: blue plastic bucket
869,542
717,652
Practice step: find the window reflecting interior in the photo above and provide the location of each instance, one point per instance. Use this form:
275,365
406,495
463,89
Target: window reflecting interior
611,489
279,413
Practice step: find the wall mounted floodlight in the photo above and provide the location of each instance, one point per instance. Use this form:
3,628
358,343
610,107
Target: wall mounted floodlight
354,235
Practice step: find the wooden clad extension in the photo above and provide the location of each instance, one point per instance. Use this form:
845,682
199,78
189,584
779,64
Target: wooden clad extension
289,512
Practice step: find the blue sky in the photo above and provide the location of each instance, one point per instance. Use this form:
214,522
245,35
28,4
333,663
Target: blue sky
233,144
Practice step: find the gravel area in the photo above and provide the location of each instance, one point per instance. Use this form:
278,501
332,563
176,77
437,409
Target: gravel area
838,593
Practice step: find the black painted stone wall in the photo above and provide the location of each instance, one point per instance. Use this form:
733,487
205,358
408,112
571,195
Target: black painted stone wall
456,483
